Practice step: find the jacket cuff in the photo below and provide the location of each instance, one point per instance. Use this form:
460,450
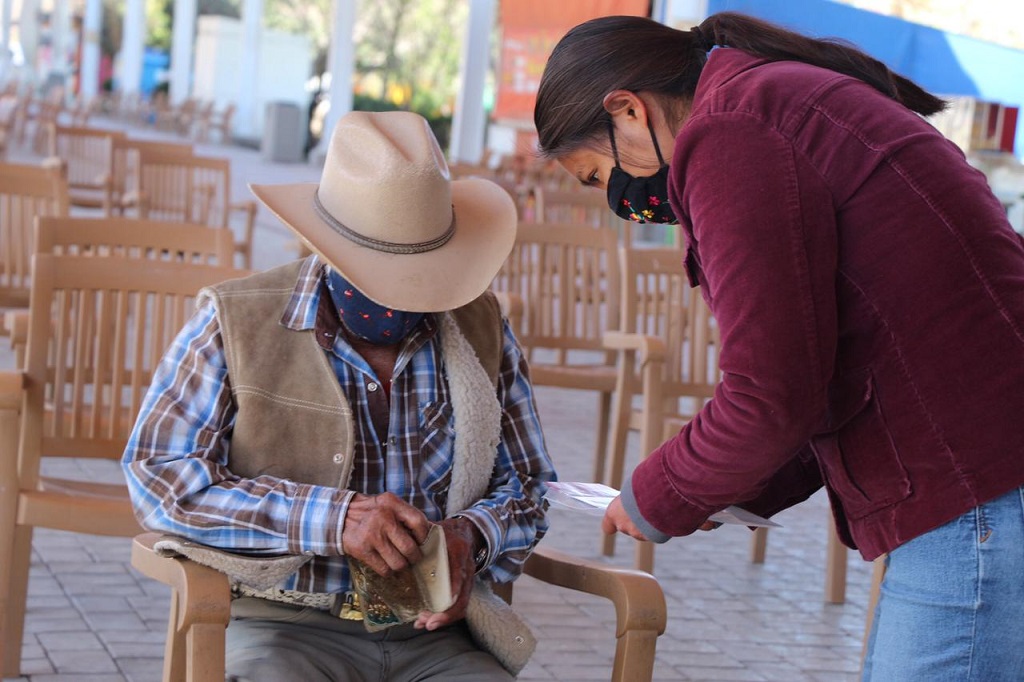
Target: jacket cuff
629,504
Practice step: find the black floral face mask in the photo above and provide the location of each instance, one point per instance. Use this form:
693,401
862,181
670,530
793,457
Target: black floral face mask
640,199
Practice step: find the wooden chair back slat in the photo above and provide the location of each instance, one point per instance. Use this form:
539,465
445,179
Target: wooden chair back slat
25,193
98,329
129,238
185,189
125,166
568,279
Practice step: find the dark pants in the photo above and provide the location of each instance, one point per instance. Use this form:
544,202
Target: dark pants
271,642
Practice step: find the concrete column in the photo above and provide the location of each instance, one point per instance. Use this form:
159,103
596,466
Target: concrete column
469,121
341,63
28,34
248,72
133,43
183,38
60,30
6,10
89,69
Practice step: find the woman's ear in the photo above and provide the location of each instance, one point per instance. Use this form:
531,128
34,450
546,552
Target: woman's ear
625,103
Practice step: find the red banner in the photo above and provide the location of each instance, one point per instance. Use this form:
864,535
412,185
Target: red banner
530,30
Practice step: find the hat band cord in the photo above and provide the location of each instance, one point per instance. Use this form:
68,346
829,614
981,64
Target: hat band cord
378,244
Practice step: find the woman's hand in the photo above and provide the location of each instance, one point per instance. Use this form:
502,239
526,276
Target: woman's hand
617,520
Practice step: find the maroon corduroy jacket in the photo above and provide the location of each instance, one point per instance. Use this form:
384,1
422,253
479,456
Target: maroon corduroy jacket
870,296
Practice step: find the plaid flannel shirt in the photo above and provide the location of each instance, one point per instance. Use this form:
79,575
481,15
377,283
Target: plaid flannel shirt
177,457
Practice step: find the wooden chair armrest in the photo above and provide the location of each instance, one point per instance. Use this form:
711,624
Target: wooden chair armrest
55,162
16,326
637,596
200,610
640,611
205,594
651,348
248,206
12,382
511,304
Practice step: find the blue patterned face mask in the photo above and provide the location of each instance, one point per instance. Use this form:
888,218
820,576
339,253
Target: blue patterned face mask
368,320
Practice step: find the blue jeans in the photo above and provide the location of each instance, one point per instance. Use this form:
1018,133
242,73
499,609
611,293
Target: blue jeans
952,601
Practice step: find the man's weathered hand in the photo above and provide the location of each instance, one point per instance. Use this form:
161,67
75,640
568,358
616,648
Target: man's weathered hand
384,532
461,537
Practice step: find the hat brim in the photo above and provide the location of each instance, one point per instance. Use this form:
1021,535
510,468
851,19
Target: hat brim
442,279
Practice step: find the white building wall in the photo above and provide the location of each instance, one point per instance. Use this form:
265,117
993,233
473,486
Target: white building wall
283,67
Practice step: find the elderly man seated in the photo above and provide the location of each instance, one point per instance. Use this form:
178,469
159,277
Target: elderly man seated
339,409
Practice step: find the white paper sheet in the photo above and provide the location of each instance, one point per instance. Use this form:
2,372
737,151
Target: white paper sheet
594,498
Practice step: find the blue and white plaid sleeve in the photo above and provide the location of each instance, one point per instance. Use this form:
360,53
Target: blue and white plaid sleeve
177,455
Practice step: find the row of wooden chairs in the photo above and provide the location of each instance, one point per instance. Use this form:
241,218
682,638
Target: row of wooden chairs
110,171
201,120
106,297
600,315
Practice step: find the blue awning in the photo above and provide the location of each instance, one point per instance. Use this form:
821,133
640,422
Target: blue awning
944,63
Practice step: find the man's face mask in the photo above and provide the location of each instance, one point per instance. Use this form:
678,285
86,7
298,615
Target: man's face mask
368,320
643,199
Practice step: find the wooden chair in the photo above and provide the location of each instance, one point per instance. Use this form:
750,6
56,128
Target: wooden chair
25,192
567,278
201,600
121,238
579,205
874,595
134,238
212,121
194,189
97,328
126,162
668,333
590,206
87,158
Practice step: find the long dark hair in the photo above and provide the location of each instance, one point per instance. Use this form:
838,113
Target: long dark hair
642,55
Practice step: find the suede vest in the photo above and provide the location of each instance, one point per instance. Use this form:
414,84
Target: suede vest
292,419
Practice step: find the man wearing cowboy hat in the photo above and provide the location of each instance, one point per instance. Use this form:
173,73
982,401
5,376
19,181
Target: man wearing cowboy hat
327,414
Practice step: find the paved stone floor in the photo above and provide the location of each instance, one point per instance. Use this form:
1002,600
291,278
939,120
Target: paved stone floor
92,618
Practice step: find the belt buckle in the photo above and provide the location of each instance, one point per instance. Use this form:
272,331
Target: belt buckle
347,607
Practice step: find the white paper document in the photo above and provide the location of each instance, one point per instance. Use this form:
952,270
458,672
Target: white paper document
594,498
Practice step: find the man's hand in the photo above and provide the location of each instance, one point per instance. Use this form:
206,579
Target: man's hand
384,532
616,519
462,538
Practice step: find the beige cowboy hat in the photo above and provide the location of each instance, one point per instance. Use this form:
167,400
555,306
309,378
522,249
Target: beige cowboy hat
387,216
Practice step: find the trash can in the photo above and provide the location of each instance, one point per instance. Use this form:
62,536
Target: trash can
284,133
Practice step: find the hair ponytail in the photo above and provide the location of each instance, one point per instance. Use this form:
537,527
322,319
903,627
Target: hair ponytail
642,55
773,42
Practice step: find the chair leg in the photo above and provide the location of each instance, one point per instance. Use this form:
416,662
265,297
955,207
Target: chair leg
14,599
877,575
175,645
10,631
758,545
634,656
604,418
603,425
206,655
835,567
644,560
612,472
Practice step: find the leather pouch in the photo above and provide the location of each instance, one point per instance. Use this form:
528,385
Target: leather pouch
400,597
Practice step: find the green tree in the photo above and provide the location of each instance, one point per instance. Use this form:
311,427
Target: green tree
408,48
160,18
